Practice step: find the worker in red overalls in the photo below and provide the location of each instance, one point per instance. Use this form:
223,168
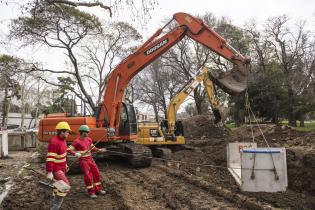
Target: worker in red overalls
82,148
56,164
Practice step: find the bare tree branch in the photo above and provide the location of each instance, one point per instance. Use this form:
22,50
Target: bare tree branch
83,4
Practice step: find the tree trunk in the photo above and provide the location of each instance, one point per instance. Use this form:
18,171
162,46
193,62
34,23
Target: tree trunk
292,120
36,114
275,118
156,113
302,119
4,108
198,101
22,110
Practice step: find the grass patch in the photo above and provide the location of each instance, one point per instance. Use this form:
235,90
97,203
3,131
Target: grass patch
230,125
308,125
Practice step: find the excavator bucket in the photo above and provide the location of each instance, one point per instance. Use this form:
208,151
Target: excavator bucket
217,115
220,114
233,82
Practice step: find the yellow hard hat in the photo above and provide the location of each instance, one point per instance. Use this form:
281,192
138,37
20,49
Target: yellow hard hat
63,126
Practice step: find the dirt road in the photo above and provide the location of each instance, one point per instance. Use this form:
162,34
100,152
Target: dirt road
157,187
182,182
162,186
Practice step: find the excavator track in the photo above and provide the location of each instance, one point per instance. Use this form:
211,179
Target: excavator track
138,155
162,152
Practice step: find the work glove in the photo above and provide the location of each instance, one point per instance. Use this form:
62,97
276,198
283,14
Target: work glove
78,154
50,176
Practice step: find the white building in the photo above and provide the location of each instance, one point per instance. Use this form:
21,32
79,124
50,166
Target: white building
141,117
14,120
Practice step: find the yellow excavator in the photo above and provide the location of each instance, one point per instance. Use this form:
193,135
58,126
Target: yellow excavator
171,132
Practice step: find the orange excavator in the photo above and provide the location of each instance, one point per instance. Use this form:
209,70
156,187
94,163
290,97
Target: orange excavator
115,123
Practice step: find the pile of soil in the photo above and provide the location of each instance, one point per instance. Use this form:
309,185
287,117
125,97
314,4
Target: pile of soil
201,126
29,194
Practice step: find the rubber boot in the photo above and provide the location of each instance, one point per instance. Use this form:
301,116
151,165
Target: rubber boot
56,202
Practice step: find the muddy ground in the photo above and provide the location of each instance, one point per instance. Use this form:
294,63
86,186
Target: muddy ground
186,184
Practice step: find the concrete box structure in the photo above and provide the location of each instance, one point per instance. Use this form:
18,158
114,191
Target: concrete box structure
264,170
234,158
4,151
257,169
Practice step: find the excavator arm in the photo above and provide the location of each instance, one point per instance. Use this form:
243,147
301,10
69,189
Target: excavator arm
210,90
110,109
180,97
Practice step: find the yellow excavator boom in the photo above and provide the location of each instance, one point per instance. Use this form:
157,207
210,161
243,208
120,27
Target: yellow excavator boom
180,97
170,132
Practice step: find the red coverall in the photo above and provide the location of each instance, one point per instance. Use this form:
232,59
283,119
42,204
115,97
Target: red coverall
56,161
87,164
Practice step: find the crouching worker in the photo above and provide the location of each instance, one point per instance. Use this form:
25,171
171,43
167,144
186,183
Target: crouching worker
56,164
82,147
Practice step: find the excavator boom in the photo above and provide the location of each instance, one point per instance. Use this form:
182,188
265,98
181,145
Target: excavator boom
180,97
115,122
110,109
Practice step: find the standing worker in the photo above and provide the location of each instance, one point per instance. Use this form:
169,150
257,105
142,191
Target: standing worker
56,164
82,147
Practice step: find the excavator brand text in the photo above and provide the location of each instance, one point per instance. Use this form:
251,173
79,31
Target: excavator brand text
156,47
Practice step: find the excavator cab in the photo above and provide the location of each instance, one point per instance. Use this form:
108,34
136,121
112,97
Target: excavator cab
128,120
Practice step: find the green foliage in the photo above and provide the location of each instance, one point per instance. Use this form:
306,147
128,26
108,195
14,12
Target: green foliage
63,101
47,23
9,66
267,96
235,36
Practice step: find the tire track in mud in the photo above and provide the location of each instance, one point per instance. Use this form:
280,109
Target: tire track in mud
153,188
133,192
239,200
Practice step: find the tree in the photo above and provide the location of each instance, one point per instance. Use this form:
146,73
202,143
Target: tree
140,11
156,86
101,53
63,30
71,31
290,48
9,67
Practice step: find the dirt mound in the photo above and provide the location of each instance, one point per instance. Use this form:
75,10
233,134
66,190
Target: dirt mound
201,126
209,160
300,147
29,194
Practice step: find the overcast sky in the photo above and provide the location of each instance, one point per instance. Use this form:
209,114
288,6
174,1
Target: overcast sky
239,12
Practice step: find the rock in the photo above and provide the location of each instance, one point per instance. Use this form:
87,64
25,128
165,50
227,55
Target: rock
28,178
20,192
